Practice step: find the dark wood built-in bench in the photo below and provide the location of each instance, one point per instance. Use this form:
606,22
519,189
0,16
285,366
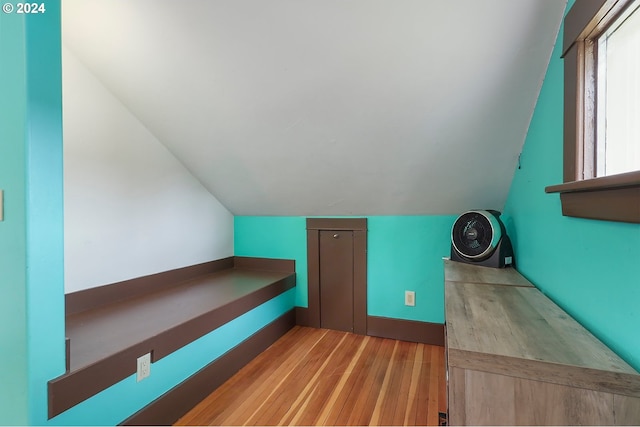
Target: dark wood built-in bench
109,327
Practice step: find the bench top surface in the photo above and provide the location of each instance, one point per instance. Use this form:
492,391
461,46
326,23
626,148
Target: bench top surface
107,330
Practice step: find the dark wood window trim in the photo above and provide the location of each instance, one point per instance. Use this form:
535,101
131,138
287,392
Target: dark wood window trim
612,198
359,228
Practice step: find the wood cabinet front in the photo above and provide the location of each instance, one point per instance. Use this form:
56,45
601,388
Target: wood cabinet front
516,358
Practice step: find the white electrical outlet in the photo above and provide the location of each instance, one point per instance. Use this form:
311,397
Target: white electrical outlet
144,367
410,298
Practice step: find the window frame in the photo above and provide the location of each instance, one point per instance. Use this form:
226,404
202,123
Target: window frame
614,197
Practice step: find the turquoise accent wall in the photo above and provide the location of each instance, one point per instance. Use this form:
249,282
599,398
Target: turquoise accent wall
31,235
13,304
588,267
404,253
275,237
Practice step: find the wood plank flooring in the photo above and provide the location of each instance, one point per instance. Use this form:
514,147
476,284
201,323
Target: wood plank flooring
324,377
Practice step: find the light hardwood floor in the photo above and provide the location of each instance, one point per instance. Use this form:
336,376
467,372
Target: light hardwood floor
324,377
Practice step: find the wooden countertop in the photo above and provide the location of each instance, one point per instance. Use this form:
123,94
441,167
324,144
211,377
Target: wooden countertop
515,330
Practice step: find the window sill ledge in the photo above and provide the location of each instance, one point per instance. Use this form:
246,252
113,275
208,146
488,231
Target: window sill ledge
609,198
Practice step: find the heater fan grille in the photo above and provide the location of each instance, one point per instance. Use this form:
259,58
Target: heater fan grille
475,234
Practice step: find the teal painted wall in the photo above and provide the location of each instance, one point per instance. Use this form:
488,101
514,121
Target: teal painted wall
588,267
404,253
275,237
31,235
13,304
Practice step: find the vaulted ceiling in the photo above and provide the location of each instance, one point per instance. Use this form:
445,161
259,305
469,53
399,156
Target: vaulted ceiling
328,107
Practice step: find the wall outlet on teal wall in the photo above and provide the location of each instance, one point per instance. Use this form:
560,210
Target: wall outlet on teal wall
410,298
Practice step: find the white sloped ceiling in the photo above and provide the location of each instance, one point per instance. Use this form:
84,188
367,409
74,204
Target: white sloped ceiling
328,107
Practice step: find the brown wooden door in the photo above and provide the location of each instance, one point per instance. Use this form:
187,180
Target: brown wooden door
336,280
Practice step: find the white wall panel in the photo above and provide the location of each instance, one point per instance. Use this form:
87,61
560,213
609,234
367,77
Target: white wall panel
131,208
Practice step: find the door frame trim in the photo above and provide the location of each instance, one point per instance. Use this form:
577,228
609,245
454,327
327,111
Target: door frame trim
359,228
